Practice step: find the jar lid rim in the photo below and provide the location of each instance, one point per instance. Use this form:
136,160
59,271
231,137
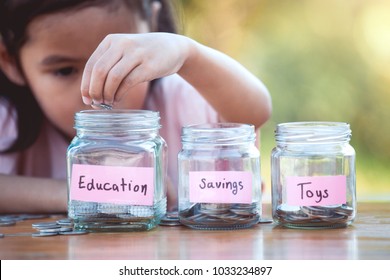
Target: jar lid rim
117,119
218,133
313,132
313,124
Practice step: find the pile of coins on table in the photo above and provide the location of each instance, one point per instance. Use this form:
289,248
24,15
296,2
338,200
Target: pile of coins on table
314,216
62,227
170,219
220,215
11,220
59,227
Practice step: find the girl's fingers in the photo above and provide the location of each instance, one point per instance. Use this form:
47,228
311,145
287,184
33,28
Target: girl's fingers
99,74
89,68
116,76
121,62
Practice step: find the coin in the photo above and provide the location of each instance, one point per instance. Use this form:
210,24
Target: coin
18,234
102,106
170,223
315,216
7,223
45,225
105,106
63,229
265,221
317,211
10,218
47,230
64,222
344,210
73,232
220,215
170,219
33,216
43,234
242,212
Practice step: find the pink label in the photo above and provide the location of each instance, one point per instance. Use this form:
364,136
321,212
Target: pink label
316,190
220,187
112,184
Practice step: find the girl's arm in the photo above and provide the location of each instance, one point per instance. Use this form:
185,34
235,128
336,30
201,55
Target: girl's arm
32,195
122,61
235,93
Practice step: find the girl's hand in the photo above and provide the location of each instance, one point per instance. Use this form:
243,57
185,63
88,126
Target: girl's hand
122,61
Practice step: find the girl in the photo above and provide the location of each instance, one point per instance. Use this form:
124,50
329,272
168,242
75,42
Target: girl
123,53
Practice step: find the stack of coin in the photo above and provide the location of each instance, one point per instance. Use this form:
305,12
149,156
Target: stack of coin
315,216
219,215
5,222
11,220
60,227
170,219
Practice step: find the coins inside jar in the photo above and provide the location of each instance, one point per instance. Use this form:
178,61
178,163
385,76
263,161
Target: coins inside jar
214,215
314,216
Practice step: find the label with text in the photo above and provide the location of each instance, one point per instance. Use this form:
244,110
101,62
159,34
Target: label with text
220,187
316,190
112,184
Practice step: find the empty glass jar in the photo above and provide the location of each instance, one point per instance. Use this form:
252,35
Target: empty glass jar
219,176
116,171
313,175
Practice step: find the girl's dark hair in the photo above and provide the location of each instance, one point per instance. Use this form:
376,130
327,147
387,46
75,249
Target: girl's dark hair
15,15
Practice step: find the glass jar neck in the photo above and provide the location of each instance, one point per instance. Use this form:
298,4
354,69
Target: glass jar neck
218,134
116,122
312,133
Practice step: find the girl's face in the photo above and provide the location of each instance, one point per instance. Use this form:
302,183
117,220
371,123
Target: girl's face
57,49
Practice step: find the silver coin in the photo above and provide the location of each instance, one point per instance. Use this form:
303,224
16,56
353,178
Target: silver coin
212,212
316,211
291,214
105,106
33,216
336,219
43,234
10,218
73,232
170,221
64,222
241,212
344,210
7,223
1,235
45,225
63,229
215,206
265,221
169,217
102,106
47,230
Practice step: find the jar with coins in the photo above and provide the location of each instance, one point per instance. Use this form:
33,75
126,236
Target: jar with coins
219,177
313,175
116,171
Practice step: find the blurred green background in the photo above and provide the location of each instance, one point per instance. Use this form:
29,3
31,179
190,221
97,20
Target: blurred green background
321,61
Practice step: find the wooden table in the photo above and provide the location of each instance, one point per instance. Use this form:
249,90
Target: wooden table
367,238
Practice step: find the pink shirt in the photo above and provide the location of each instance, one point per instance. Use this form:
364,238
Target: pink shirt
177,101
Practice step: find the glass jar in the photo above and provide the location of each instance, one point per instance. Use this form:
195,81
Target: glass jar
116,171
313,175
219,176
